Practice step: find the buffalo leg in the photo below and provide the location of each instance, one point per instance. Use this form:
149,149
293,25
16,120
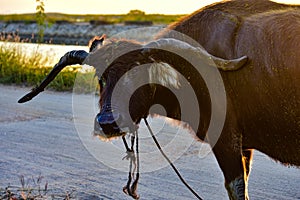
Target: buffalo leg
230,160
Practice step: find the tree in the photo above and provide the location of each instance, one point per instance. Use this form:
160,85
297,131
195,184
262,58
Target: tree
40,19
136,12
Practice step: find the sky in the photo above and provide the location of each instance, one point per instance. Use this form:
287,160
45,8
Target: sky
109,6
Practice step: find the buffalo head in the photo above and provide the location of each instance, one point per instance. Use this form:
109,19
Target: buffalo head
133,77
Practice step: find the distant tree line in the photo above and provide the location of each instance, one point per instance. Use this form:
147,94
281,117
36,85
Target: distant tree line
44,19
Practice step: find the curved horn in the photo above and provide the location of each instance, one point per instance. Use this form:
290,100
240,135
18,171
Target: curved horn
180,46
70,58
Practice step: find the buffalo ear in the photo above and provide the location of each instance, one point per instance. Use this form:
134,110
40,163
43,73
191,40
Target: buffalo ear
96,42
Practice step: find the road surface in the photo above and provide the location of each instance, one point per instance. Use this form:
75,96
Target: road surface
40,137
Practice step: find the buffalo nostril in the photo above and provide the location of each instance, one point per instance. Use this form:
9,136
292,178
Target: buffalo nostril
107,118
106,132
108,123
97,127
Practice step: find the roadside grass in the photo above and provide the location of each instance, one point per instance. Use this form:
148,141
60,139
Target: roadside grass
33,188
18,68
112,18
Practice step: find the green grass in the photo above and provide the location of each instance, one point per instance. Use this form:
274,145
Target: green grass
18,68
53,17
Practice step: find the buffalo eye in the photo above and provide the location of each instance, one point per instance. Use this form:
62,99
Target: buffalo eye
102,83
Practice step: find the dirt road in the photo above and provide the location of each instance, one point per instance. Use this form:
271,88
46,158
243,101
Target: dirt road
40,137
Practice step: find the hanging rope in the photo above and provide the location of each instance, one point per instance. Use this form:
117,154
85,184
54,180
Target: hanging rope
169,161
134,167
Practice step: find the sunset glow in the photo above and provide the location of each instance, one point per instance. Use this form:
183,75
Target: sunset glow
110,7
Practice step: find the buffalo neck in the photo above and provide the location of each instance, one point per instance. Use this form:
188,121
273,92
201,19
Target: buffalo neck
173,104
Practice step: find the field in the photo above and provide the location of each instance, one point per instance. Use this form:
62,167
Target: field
134,15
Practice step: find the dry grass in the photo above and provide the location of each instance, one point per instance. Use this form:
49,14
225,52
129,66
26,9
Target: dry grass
32,189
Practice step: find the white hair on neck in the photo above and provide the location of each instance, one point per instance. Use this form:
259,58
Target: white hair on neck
163,73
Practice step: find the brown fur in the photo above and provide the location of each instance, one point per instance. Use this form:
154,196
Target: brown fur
215,26
269,34
263,97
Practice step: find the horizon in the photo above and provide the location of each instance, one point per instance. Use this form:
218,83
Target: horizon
94,7
29,13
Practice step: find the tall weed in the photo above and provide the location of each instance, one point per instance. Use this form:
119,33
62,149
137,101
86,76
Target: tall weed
18,68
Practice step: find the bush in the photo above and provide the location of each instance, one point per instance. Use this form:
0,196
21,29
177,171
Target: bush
20,69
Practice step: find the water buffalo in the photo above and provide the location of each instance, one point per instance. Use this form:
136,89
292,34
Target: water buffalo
262,96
